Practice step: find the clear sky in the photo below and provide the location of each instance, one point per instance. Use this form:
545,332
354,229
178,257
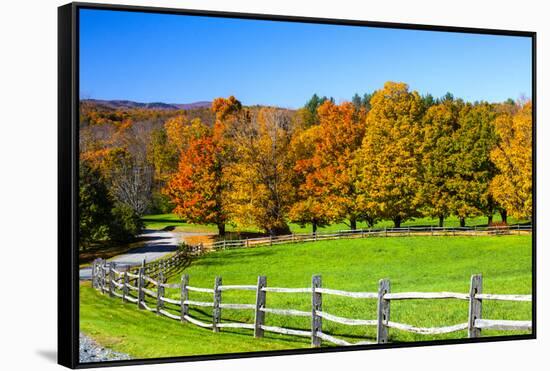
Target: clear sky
182,59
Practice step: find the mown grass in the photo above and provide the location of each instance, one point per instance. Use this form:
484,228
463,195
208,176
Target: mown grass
160,221
411,263
142,334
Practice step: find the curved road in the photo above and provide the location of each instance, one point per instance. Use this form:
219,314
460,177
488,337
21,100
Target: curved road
156,244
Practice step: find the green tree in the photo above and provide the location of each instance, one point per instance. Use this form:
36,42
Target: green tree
309,111
438,155
94,206
473,170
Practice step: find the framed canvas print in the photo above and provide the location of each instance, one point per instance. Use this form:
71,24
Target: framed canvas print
241,185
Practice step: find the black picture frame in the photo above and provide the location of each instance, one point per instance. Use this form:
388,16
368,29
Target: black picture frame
68,127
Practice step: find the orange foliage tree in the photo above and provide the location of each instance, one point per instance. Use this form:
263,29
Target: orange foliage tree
198,187
328,192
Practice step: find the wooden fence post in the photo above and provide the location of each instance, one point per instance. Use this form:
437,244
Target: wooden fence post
140,282
160,291
101,277
111,279
383,312
475,306
184,296
270,240
216,311
259,315
125,287
316,306
94,266
247,242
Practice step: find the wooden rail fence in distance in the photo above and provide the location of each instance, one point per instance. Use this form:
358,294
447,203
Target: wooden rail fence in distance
364,233
132,288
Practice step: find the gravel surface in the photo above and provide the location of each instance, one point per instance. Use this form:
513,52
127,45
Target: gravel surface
90,351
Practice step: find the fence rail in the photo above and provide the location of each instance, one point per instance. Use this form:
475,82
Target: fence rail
364,233
108,280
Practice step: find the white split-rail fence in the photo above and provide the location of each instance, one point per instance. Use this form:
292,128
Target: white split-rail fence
371,232
133,288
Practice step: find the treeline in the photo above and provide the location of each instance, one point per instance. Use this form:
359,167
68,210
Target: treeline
392,155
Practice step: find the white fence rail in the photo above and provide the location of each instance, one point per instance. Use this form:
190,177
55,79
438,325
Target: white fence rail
107,279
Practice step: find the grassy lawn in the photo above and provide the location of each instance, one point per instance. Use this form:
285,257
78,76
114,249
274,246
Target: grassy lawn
161,221
141,334
411,263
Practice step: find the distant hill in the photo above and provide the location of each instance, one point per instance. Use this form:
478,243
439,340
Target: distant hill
127,104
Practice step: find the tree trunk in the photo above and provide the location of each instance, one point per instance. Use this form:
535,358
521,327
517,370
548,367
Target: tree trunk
314,226
462,222
221,229
370,222
489,220
353,223
441,220
504,216
282,229
397,222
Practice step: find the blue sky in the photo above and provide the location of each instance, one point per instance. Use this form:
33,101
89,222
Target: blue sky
181,59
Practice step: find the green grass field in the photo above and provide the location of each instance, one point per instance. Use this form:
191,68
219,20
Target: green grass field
411,263
160,221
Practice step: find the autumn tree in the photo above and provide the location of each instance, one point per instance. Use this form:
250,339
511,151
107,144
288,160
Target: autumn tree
198,187
260,176
163,152
512,187
389,158
308,113
473,170
328,191
439,150
308,208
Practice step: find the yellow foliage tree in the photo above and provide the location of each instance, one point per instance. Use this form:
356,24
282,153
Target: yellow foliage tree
260,173
389,159
512,187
